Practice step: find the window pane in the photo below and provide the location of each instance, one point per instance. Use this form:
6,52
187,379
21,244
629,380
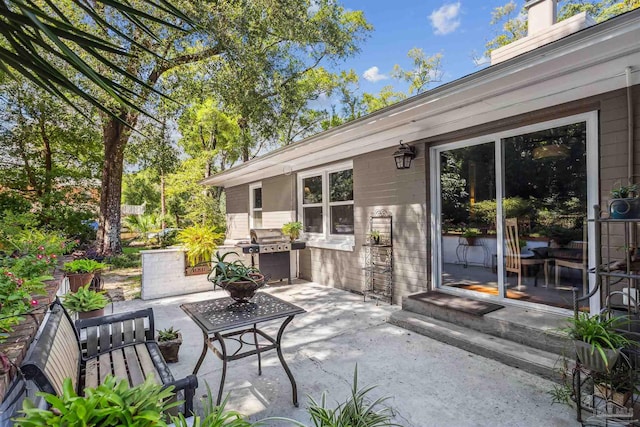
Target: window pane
312,189
257,219
313,220
342,219
257,198
341,186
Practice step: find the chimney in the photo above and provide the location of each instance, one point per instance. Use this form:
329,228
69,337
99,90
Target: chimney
543,28
542,14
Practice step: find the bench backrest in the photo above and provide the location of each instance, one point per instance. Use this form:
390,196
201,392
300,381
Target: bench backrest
55,353
101,334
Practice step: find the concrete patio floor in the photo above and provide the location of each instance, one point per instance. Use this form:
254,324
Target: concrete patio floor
429,383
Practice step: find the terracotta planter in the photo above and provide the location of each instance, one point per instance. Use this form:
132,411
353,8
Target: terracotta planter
78,280
90,314
169,349
593,360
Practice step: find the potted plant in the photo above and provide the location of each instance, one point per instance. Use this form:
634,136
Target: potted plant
470,234
113,403
597,341
169,341
374,236
239,280
624,203
81,272
292,229
199,242
86,302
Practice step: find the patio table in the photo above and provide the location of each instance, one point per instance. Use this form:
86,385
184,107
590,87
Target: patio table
218,324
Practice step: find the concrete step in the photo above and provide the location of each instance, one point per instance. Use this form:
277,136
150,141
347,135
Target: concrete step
534,328
532,360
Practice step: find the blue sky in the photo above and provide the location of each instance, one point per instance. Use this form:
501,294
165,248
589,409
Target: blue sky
456,29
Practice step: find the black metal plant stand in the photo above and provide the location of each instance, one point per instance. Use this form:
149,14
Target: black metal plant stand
378,258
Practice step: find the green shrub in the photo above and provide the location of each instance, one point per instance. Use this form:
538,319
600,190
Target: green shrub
112,403
199,241
83,266
84,300
130,260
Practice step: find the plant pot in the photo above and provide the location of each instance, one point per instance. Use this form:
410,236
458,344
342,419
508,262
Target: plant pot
625,208
89,314
243,291
78,280
471,241
169,349
593,360
375,240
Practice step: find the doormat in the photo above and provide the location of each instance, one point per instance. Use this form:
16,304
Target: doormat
454,302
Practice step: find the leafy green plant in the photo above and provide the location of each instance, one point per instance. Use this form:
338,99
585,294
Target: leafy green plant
624,191
357,411
213,416
199,241
292,229
225,272
84,300
599,331
124,261
470,232
374,236
113,403
168,334
561,393
83,266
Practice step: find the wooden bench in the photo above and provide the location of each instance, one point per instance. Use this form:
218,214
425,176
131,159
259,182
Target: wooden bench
119,344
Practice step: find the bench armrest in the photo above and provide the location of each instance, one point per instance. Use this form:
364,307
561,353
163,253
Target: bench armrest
102,334
188,385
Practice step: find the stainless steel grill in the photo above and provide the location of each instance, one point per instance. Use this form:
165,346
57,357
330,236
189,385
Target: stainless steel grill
273,249
269,240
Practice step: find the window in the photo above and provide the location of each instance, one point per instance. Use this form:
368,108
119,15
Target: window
255,208
326,202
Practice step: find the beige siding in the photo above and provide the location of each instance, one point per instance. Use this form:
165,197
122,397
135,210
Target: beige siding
237,199
278,200
379,185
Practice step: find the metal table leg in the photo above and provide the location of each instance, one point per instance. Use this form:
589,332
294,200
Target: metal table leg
255,338
203,354
294,387
223,351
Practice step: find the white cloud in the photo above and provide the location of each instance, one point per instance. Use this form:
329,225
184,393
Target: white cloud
373,75
445,20
478,61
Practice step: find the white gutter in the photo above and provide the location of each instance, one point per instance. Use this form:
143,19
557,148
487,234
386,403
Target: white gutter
582,63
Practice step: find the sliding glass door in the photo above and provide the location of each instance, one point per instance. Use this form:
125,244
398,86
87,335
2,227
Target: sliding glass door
510,212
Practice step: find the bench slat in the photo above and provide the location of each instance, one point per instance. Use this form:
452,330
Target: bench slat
116,334
105,366
61,364
135,371
146,363
140,333
91,374
119,367
128,331
105,337
92,340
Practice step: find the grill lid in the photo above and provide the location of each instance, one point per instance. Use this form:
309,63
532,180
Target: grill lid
265,236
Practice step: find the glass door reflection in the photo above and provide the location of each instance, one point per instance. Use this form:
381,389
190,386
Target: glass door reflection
468,245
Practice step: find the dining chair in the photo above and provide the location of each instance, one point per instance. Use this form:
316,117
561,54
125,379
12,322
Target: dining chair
576,264
514,260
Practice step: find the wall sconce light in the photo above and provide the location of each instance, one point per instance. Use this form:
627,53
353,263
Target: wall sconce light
404,155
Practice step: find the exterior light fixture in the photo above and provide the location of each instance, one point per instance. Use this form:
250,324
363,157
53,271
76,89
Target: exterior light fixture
404,155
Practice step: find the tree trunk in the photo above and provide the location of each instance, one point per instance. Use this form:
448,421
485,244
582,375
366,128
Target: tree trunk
163,201
115,137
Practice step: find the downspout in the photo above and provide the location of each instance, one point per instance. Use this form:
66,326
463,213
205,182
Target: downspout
630,142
